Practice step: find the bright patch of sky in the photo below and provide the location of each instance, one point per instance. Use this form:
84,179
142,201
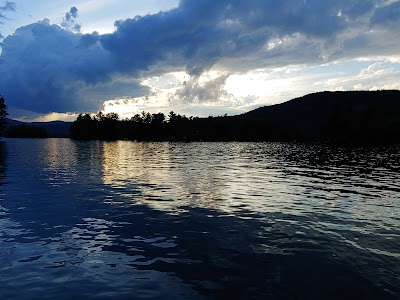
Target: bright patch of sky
265,87
195,58
94,15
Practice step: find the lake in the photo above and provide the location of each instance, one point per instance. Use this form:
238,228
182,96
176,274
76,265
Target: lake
128,220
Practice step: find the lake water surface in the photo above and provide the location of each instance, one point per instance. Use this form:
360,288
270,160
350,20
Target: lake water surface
127,220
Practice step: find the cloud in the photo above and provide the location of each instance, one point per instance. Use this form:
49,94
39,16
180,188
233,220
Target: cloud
69,21
7,7
201,90
376,76
235,34
51,68
45,68
387,16
202,33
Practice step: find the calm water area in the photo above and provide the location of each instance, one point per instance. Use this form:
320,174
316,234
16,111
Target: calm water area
128,220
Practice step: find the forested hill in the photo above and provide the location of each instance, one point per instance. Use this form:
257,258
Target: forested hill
342,117
359,116
37,129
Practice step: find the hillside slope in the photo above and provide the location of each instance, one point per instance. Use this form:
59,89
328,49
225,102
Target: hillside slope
336,116
53,129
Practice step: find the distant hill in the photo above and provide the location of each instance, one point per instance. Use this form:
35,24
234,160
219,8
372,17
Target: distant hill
53,129
370,116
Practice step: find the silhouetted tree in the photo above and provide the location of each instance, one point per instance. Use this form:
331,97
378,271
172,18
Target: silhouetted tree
108,126
84,127
158,118
3,115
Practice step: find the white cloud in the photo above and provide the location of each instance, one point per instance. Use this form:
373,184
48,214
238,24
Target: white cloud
378,75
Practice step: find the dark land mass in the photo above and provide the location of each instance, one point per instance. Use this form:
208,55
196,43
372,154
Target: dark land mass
17,129
358,116
337,117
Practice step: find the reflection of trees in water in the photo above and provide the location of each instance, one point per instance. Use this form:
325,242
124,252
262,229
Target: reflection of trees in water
38,192
247,254
2,163
6,248
358,182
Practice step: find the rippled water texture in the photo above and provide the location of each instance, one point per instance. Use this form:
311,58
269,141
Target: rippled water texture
126,220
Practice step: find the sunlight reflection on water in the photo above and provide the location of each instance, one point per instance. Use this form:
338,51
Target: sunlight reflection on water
188,220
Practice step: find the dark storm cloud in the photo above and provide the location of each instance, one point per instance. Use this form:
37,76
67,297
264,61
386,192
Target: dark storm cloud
388,16
48,68
200,34
44,67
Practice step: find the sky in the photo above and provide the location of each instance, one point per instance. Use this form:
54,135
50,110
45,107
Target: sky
195,57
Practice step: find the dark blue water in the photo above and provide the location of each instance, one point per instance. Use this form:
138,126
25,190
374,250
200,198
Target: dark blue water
125,220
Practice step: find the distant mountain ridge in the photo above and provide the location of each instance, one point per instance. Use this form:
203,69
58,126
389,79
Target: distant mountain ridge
58,129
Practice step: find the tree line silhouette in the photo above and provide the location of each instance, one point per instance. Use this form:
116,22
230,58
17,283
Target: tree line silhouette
26,131
336,117
148,127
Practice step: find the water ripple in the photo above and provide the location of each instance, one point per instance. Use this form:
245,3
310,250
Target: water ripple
194,220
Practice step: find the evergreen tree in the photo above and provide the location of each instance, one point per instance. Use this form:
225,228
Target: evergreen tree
3,114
